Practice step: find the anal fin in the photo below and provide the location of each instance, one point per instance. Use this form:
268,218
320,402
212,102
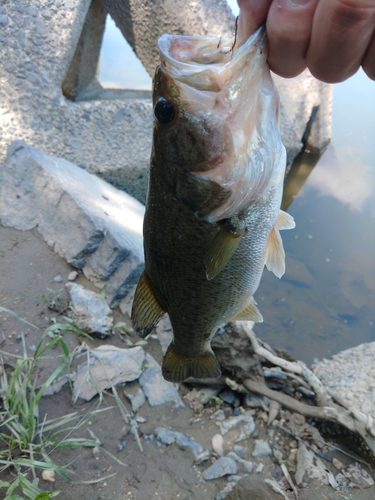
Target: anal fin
249,312
146,310
176,367
223,247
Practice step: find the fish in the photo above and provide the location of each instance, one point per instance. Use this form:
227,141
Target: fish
213,215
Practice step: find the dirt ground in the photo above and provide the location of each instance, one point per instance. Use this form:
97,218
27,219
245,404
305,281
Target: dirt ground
27,269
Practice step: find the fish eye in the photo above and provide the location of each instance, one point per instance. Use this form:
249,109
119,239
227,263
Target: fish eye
164,111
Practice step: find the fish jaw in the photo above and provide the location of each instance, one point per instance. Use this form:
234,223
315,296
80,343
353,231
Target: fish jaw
230,105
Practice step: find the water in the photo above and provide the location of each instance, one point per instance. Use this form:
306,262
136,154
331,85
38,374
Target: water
326,300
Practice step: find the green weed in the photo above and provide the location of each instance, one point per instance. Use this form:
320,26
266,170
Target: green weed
26,439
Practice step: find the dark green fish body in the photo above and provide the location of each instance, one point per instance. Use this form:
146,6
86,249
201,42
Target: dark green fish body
206,240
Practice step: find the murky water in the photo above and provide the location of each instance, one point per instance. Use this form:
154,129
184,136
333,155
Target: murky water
326,300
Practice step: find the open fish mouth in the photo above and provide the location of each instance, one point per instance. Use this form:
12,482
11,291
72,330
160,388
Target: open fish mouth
207,63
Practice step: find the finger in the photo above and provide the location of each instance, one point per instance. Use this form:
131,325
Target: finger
289,25
368,62
252,14
341,33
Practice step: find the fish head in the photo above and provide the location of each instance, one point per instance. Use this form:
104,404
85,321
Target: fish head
216,113
186,136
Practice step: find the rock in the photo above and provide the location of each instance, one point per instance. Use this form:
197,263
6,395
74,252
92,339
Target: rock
137,398
262,449
220,468
140,420
108,366
72,276
157,390
218,445
358,477
252,401
90,310
310,467
244,422
48,475
218,415
228,488
278,454
93,225
58,279
260,468
168,437
58,384
247,465
337,464
229,397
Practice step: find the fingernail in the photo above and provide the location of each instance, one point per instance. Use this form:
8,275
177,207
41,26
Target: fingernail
299,3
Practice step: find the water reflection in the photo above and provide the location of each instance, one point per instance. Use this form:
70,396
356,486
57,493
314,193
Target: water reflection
326,300
344,176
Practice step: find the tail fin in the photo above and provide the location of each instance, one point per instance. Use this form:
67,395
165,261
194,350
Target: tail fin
176,367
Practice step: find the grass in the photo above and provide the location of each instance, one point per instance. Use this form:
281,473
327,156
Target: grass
26,439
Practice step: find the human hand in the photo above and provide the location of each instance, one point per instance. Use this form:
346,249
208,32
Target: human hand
332,38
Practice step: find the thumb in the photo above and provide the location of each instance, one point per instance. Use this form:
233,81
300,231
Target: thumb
252,14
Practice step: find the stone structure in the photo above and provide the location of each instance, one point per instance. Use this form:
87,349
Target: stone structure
90,223
49,95
349,377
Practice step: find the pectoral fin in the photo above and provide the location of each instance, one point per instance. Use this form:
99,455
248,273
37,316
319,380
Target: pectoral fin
146,310
249,312
223,247
275,255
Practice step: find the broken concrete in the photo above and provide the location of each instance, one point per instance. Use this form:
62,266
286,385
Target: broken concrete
107,366
157,390
89,310
93,225
222,467
136,397
243,424
167,437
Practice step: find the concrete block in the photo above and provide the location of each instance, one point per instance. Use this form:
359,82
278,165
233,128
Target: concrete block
50,97
93,225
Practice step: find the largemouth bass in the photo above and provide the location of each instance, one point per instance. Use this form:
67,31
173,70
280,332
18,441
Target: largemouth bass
213,214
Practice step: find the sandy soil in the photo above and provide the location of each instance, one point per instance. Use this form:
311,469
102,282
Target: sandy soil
27,269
